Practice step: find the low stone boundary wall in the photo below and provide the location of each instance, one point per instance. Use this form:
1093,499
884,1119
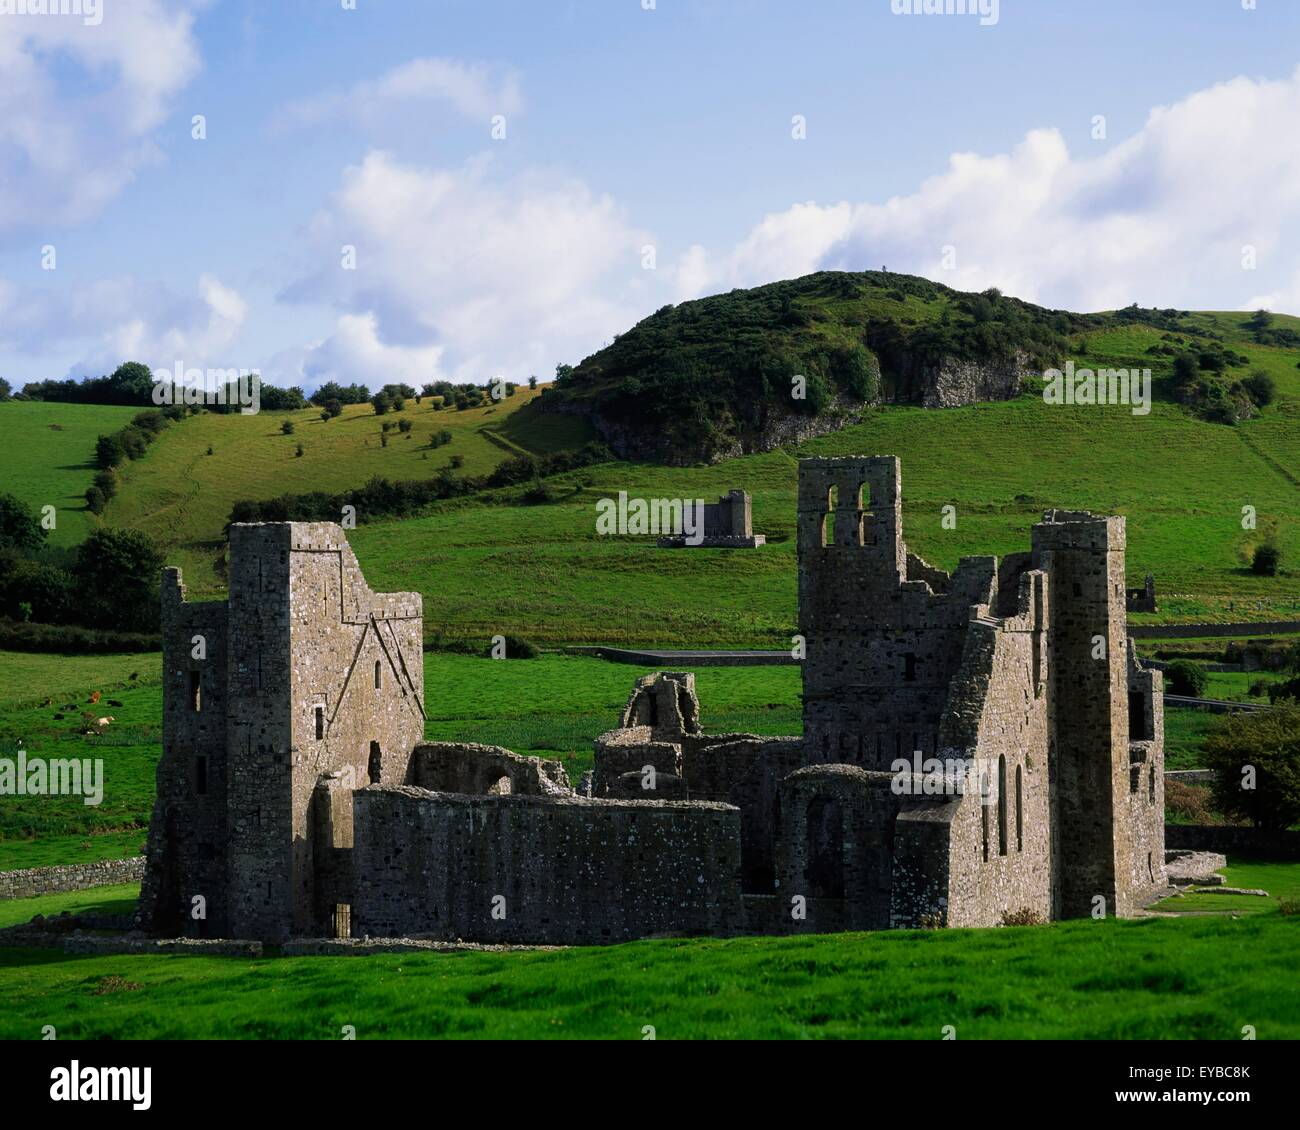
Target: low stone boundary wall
361,947
71,877
1231,840
198,947
1196,631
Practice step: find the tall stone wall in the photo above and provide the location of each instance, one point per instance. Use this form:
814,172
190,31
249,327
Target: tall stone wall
999,844
882,646
184,886
1084,557
356,703
533,869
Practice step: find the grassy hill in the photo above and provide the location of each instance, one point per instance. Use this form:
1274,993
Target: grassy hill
182,491
712,378
490,567
543,572
48,458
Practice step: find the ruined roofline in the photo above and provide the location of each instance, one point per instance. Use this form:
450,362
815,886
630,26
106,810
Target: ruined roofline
1058,517
573,800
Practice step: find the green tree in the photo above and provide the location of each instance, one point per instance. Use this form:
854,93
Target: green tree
117,576
1183,677
109,451
20,528
1256,757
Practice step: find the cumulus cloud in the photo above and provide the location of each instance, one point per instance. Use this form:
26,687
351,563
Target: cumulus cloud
355,354
79,105
1162,218
504,277
472,90
123,319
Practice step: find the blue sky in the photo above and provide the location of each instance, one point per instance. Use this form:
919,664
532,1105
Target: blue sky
933,144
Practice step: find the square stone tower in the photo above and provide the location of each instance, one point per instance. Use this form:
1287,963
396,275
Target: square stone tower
304,672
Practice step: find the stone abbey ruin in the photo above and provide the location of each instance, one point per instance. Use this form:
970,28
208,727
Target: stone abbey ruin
297,797
727,524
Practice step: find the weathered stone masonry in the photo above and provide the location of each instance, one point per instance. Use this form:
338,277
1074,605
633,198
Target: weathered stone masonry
296,797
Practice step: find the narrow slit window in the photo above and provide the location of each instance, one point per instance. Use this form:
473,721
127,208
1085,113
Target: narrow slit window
320,722
196,692
1020,838
378,675
1002,806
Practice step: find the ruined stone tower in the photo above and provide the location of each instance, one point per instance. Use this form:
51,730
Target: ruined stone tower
302,672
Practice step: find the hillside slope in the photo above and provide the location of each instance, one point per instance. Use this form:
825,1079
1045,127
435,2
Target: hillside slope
47,458
747,371
182,491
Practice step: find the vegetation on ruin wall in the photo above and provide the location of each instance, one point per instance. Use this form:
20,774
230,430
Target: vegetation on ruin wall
1190,978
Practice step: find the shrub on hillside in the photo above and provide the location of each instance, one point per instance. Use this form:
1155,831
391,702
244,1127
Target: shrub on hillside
516,648
1261,387
286,427
95,500
1183,677
1266,560
1256,757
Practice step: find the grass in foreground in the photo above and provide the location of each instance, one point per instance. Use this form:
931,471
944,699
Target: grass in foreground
1190,978
117,899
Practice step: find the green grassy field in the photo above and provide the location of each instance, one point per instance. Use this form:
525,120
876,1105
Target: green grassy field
1189,978
118,899
48,458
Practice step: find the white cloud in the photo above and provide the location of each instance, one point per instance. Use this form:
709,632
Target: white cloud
1160,219
472,90
354,354
122,319
72,137
507,278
